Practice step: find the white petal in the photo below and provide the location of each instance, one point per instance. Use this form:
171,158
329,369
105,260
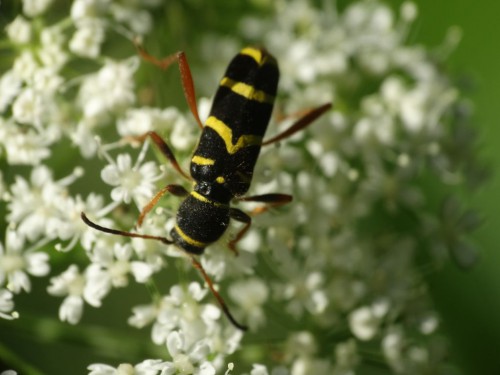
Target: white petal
141,271
71,309
175,343
363,323
206,368
19,281
124,162
38,264
110,175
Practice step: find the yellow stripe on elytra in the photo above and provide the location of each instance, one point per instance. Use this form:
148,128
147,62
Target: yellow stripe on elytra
258,55
226,133
200,160
188,239
247,91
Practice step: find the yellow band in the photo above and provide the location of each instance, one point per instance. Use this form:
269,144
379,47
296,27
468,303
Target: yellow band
226,133
200,160
247,91
258,55
188,239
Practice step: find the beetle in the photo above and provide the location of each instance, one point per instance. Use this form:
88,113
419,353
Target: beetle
223,162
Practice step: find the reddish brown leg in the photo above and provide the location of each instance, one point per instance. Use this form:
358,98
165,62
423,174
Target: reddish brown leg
186,76
271,200
300,124
164,149
216,294
242,217
280,116
176,190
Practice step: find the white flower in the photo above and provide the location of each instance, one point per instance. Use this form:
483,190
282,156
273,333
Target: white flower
87,39
34,8
303,290
250,295
10,86
28,108
6,305
180,309
25,65
429,324
133,182
84,137
365,322
258,369
184,134
53,51
138,121
46,80
36,206
346,355
182,363
97,285
23,147
188,356
71,309
306,365
108,90
146,367
143,315
72,228
19,31
85,9
138,20
70,284
113,266
16,263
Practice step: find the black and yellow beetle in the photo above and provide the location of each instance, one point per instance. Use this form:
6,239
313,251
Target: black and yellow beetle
222,165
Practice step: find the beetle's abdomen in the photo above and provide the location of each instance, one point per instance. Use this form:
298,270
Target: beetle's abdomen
200,222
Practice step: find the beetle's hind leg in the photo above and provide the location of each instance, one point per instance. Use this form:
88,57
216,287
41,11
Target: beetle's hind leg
304,121
271,200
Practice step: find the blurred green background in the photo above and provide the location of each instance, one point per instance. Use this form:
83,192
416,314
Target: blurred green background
469,301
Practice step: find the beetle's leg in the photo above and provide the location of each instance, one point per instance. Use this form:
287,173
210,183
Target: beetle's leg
164,149
216,294
186,76
300,124
271,200
176,190
244,218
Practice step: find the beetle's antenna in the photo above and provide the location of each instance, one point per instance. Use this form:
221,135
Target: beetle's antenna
116,232
194,261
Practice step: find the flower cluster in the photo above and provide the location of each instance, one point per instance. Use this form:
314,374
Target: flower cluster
329,278
41,106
